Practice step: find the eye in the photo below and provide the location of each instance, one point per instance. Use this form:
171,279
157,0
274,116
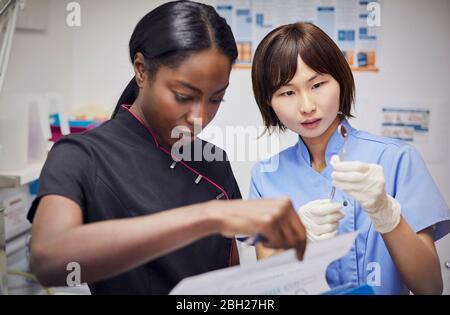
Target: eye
317,85
288,93
182,98
217,101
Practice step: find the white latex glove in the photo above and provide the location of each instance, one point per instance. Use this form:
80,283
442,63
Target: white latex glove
321,219
365,182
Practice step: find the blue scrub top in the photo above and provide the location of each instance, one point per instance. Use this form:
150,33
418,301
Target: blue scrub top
290,174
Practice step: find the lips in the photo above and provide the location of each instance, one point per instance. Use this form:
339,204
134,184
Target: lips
311,123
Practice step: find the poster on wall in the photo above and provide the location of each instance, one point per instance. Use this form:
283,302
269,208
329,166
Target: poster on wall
238,16
352,24
421,126
411,125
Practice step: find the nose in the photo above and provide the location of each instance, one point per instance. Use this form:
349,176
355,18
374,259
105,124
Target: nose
197,114
307,105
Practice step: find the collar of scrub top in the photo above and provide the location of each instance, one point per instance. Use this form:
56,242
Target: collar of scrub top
334,144
175,158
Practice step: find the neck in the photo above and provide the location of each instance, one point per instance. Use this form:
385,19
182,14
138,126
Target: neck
136,109
317,146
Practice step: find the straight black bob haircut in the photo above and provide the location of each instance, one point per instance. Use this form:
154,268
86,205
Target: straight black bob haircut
275,64
171,33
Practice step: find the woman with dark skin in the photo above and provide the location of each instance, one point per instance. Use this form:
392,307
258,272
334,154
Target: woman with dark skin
118,202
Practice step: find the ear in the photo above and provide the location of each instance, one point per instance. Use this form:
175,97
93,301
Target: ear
140,70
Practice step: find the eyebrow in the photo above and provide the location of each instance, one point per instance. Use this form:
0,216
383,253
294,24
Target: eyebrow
314,77
197,90
309,80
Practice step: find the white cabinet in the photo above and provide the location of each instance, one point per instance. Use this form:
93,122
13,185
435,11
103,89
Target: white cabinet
15,201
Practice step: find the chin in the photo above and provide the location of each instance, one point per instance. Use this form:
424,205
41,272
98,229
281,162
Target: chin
310,134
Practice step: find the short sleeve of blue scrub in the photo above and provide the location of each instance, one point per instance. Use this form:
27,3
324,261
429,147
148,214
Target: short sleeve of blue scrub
289,174
412,185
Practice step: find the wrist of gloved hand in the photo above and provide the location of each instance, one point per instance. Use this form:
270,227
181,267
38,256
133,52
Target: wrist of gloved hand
387,214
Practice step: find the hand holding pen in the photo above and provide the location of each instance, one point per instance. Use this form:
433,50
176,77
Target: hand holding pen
274,222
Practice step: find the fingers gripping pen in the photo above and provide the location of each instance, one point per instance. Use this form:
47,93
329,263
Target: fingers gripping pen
251,240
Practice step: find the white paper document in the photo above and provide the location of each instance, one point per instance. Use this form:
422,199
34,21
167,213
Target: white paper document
281,274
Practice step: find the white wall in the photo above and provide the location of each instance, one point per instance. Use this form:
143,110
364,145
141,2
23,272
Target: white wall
101,62
414,66
41,61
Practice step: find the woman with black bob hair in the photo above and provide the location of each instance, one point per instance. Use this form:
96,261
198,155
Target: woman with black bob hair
118,201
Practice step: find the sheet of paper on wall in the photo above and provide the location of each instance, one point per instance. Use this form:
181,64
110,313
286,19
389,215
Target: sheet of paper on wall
280,274
424,126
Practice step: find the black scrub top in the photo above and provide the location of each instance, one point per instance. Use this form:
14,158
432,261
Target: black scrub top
118,170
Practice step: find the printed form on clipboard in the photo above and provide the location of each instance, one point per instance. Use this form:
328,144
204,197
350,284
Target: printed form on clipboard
280,274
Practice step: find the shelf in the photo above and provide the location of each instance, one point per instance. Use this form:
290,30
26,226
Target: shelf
22,177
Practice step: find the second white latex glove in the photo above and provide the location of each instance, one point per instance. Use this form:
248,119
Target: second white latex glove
321,219
365,182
